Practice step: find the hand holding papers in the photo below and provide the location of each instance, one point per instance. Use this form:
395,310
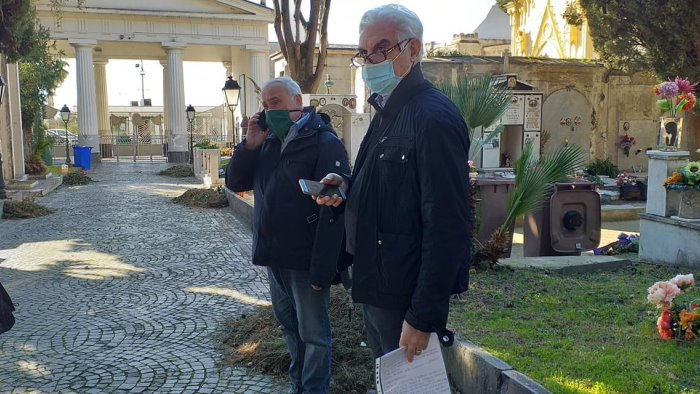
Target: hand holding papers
425,375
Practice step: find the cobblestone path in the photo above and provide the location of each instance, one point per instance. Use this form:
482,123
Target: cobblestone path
122,291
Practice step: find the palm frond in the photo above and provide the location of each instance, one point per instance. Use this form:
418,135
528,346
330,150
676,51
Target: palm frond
480,100
533,179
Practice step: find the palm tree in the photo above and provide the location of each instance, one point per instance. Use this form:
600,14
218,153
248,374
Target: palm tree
481,100
533,183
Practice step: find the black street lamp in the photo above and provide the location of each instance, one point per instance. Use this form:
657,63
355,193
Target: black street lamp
65,117
3,194
190,117
232,93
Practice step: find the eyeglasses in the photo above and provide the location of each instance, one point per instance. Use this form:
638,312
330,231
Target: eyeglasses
375,57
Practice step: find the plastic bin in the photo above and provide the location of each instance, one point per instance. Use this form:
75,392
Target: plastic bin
491,207
82,157
567,223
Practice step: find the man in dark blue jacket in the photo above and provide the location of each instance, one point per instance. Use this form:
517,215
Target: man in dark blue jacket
296,240
407,212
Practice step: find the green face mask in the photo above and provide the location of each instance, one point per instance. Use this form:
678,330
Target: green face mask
278,121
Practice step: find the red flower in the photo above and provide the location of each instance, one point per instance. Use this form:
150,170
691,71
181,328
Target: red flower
664,324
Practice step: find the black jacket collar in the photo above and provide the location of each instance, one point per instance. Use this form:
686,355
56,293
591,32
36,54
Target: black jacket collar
402,94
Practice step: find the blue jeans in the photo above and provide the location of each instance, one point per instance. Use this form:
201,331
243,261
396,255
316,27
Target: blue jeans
383,327
303,314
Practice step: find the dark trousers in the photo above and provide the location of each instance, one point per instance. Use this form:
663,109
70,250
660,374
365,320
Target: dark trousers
303,314
383,328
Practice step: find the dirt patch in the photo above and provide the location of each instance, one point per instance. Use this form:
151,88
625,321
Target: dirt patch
255,341
24,210
178,171
202,198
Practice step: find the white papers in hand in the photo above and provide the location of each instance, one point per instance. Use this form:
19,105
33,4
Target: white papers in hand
425,375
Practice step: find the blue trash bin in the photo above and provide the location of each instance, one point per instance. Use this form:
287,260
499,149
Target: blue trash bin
83,156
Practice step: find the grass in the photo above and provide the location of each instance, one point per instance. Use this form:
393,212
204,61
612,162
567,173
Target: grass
224,164
24,210
202,198
579,333
56,170
255,341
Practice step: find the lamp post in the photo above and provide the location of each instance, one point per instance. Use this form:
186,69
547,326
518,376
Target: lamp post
190,117
232,93
3,194
328,83
65,117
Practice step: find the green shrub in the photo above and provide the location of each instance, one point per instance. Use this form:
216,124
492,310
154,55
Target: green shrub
603,167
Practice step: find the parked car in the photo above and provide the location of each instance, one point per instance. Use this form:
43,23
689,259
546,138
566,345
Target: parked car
58,136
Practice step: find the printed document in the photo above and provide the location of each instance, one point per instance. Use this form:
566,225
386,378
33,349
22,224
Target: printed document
425,375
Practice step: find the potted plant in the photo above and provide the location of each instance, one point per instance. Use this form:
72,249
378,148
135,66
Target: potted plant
686,180
630,187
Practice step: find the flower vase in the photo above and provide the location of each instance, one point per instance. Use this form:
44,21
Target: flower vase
689,207
670,133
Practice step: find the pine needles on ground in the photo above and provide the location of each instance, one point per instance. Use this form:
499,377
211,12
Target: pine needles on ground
255,341
202,198
178,171
24,210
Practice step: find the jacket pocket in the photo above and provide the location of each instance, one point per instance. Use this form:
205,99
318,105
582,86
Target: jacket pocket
399,263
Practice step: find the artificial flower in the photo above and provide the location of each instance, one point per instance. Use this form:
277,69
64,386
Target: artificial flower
675,96
690,101
662,294
691,172
663,324
683,282
687,319
668,90
674,179
684,85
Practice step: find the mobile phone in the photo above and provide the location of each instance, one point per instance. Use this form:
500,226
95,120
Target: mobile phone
262,121
314,188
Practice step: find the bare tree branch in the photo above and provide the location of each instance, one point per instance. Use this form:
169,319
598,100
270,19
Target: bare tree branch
323,52
278,29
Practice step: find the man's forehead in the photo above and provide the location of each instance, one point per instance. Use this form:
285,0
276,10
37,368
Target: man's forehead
275,90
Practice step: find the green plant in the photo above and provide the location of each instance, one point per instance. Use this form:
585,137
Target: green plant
533,182
481,101
205,145
572,14
602,167
34,165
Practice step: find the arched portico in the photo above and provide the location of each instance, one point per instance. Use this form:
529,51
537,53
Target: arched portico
233,32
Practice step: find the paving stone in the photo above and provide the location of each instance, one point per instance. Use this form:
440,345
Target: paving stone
120,290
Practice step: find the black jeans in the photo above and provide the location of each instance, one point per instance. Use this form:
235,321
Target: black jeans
383,328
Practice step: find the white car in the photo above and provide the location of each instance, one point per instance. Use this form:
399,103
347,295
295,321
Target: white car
59,136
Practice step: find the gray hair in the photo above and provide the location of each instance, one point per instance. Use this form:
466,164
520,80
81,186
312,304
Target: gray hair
407,22
292,87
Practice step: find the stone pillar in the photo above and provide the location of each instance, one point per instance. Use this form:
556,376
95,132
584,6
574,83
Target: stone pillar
16,160
259,66
87,97
165,125
662,165
103,125
178,143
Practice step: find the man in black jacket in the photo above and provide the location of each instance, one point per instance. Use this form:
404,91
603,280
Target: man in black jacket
296,240
407,213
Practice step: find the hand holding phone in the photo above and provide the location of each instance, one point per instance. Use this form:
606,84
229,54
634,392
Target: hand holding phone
314,188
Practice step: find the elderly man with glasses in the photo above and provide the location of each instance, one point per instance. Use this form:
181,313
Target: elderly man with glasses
407,213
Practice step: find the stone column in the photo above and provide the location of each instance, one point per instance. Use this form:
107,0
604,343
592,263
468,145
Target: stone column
103,125
661,166
16,160
87,97
165,125
178,141
259,68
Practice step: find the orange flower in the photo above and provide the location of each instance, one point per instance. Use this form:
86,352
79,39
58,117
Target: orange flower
663,324
675,178
687,319
691,102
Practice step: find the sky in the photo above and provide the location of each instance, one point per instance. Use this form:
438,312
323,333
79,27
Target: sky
441,19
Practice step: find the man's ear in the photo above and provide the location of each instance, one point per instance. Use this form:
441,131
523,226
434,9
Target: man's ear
298,100
415,48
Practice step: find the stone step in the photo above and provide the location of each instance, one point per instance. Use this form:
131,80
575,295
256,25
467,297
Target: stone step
567,264
21,185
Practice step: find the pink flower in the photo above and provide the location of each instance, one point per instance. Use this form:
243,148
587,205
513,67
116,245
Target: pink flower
684,85
662,294
683,281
